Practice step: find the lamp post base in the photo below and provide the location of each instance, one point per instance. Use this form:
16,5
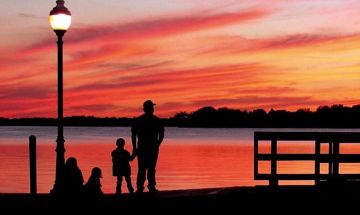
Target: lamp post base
58,188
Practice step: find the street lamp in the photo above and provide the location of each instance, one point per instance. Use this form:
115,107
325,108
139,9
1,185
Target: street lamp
60,20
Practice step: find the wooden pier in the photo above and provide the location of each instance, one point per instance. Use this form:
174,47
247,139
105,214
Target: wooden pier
333,157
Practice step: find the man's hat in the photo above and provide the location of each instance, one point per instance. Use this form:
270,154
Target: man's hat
149,103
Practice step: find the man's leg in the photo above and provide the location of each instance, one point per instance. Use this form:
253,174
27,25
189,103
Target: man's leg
118,184
152,170
129,184
141,173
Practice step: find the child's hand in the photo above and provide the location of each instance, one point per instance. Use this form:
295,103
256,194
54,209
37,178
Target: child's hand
132,157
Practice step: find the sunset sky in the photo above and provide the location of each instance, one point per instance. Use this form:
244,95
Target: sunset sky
182,54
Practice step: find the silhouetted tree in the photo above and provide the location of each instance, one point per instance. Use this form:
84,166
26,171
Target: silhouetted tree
204,117
258,118
181,119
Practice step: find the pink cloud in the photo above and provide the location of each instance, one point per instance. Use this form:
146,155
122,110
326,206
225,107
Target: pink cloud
89,109
25,92
149,29
237,44
167,26
304,40
203,77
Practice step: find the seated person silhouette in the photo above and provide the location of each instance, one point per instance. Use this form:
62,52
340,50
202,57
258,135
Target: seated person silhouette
73,178
92,188
121,166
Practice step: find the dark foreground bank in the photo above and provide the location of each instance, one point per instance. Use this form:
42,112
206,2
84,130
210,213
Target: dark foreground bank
283,200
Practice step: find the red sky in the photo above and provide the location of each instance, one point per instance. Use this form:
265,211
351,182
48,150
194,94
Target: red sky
181,54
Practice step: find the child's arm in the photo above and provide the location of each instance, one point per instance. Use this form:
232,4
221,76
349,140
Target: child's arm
132,157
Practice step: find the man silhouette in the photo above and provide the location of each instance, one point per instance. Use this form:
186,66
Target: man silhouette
147,133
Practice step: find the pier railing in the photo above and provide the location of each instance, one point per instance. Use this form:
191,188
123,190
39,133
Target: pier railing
333,157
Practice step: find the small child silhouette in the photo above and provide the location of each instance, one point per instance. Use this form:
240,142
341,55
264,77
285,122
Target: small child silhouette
121,165
93,185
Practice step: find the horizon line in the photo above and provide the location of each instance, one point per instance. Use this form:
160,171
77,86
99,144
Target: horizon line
191,112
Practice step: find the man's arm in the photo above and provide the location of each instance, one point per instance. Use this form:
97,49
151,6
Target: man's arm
161,135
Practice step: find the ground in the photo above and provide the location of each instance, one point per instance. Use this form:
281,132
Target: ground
282,200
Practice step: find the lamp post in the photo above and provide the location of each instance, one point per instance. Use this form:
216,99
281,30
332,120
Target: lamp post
60,20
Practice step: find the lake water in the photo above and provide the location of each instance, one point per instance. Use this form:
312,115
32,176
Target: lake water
189,157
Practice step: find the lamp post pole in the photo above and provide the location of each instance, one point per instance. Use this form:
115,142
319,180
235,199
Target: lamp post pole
60,146
60,20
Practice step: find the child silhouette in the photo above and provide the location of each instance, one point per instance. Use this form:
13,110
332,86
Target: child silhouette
73,177
121,165
93,185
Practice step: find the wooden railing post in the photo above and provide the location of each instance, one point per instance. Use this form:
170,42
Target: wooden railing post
32,150
336,159
256,153
274,180
331,158
317,162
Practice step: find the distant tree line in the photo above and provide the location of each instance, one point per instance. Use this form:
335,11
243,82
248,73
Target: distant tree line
336,116
68,121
